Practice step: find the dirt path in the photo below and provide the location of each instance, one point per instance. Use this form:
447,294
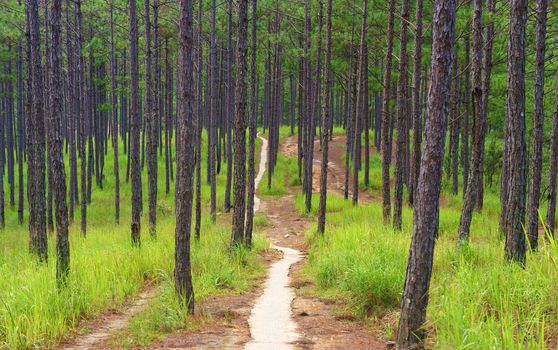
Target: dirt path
111,322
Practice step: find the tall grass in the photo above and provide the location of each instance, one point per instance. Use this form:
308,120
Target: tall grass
105,269
477,300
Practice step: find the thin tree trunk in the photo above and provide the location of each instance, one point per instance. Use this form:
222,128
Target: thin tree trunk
197,227
114,123
135,128
386,123
552,173
55,144
517,172
239,125
362,70
212,134
538,124
252,130
402,129
185,129
36,163
325,120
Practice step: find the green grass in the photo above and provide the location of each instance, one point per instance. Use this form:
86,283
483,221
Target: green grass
477,301
106,270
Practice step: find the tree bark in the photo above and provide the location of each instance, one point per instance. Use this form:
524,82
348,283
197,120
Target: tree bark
552,173
326,119
479,118
402,128
538,124
239,125
185,129
135,125
517,160
55,144
114,123
212,134
419,269
36,163
386,153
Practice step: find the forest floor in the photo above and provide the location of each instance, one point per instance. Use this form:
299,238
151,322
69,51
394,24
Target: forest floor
222,322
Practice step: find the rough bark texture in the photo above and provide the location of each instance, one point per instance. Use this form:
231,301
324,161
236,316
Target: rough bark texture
199,127
83,122
538,123
415,98
55,147
185,132
362,70
386,146
326,119
150,126
552,173
135,125
36,162
402,128
114,124
212,134
239,124
479,126
515,138
419,269
252,131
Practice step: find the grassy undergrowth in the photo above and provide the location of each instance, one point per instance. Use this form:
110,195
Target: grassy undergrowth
477,300
106,270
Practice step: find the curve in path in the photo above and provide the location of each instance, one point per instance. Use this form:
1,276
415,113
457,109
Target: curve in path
271,324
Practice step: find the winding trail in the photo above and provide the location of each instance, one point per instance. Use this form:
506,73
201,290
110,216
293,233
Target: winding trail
271,324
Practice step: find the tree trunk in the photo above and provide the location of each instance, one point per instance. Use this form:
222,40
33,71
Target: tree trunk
114,123
212,134
479,119
538,123
325,119
386,153
135,126
517,172
416,106
229,111
402,128
197,227
552,173
36,163
239,125
419,269
55,144
252,130
362,71
185,130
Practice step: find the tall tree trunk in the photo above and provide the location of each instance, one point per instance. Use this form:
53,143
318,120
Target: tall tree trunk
454,127
552,173
21,131
229,112
252,130
55,144
212,134
84,109
362,70
415,98
114,123
197,227
325,119
386,146
515,123
185,130
479,119
150,126
239,125
135,128
538,124
348,109
487,70
36,163
411,334
402,128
